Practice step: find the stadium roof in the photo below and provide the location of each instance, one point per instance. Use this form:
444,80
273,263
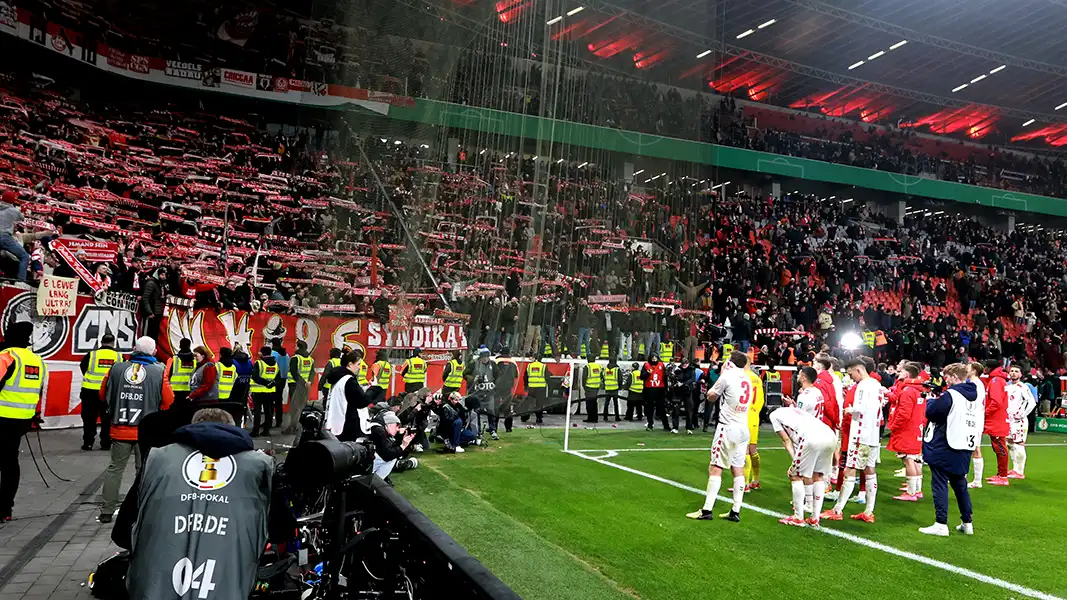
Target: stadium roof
961,66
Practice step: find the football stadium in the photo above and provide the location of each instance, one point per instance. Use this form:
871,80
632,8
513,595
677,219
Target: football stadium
542,299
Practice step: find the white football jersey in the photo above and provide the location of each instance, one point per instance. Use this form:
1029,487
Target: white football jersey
735,392
1020,401
801,425
866,412
810,400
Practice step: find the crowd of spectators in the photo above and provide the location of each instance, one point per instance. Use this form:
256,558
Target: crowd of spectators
308,230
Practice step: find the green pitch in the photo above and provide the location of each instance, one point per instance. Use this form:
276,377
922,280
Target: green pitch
554,525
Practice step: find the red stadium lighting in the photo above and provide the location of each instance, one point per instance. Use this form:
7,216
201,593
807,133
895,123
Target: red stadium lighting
510,10
607,49
1055,135
953,120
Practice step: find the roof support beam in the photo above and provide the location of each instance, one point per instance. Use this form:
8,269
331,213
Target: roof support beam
931,40
705,43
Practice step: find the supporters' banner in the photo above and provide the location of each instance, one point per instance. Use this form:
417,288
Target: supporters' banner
62,341
57,296
71,43
68,256
242,79
94,251
183,70
607,299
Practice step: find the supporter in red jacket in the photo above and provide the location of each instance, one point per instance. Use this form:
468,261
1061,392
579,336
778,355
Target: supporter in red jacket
906,422
996,420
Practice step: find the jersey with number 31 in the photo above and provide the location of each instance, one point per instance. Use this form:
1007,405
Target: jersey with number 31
735,393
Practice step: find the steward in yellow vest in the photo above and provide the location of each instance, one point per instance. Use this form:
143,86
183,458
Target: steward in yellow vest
95,366
381,375
452,376
301,366
414,371
266,402
180,369
334,362
635,400
611,388
24,375
535,379
593,380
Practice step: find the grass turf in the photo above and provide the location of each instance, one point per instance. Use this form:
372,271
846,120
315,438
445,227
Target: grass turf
554,526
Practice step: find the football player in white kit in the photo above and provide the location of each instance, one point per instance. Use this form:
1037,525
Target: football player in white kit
734,393
1021,402
811,445
863,444
810,399
974,375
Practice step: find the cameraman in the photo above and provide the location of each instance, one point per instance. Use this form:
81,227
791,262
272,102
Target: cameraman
202,514
383,432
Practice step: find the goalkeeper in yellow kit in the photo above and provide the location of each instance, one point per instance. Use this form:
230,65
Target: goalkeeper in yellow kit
752,459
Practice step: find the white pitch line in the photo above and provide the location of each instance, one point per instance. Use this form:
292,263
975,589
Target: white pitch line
1007,585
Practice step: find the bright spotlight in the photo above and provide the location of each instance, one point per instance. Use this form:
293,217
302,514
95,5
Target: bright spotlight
851,340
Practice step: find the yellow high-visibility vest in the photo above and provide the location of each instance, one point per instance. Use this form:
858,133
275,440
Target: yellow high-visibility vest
385,373
455,374
180,374
363,376
333,363
227,377
18,399
303,367
592,375
666,350
611,379
637,384
604,350
268,372
100,362
415,372
536,375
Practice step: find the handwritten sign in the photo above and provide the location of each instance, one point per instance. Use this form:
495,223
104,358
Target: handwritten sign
57,296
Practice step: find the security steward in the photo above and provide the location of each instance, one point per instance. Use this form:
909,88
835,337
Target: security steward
132,389
180,369
325,380
635,399
204,513
24,375
453,374
363,375
264,380
301,366
381,375
535,379
94,367
611,388
594,378
227,374
414,371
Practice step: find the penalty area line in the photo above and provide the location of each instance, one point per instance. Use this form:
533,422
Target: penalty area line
1007,585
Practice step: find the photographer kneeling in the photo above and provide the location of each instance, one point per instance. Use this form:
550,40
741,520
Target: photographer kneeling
387,452
202,504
